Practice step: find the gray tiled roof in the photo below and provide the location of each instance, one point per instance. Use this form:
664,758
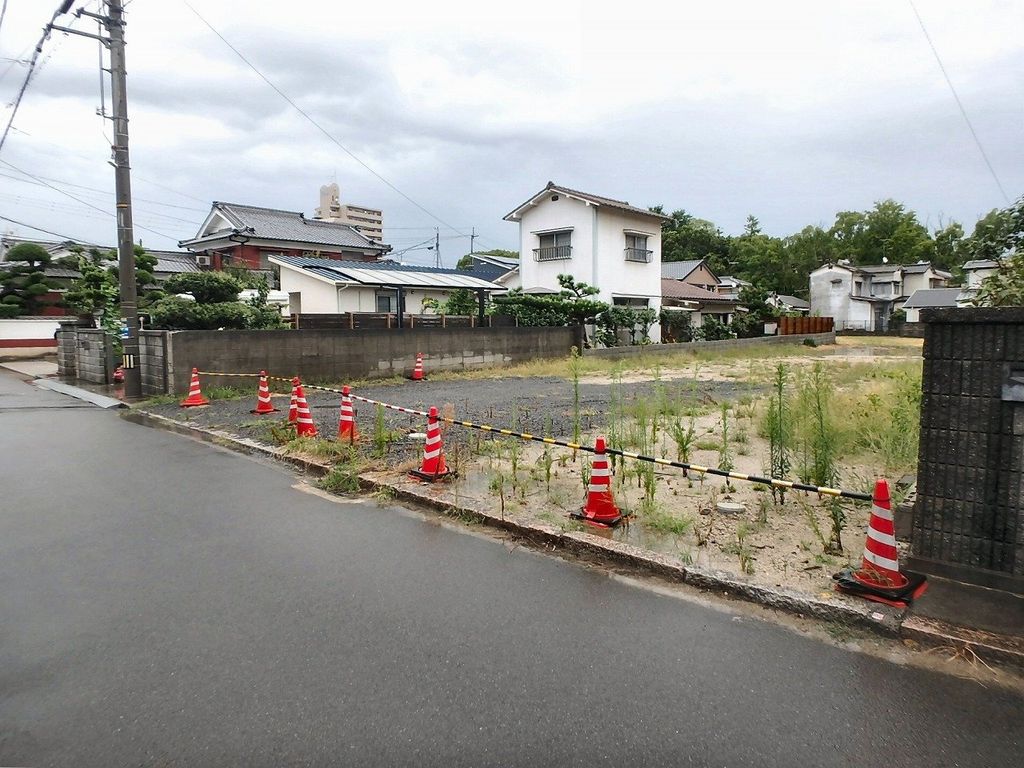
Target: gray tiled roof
933,297
274,224
981,264
678,270
793,301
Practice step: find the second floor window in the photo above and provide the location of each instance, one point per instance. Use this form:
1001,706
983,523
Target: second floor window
554,246
636,248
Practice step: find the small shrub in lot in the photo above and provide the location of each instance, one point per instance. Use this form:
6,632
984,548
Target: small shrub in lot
821,438
684,439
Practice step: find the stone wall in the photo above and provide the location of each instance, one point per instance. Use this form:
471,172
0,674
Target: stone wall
968,519
155,364
95,353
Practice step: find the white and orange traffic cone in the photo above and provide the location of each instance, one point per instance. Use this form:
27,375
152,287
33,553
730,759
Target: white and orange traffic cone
346,421
600,509
293,407
879,577
263,402
195,395
434,467
417,371
304,426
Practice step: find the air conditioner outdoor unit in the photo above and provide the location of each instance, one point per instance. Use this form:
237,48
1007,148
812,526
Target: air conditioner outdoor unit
203,261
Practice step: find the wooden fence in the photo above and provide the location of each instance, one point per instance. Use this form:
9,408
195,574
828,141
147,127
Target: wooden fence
797,326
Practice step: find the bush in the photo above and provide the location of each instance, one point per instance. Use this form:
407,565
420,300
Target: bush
712,330
9,310
183,315
206,287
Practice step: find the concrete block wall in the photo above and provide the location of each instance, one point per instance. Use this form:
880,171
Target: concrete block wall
94,350
67,352
340,355
969,514
153,362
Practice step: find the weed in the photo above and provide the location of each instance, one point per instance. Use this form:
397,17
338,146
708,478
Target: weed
497,485
779,430
574,369
684,440
724,452
663,522
343,478
384,493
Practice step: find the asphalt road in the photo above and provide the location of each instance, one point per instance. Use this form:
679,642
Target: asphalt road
166,603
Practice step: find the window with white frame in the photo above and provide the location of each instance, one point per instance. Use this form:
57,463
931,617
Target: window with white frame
554,246
636,248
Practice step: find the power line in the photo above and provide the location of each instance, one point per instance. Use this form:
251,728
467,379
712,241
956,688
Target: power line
959,103
135,176
317,125
3,12
105,192
47,231
80,200
63,8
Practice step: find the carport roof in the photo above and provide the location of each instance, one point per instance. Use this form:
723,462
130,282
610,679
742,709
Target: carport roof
386,273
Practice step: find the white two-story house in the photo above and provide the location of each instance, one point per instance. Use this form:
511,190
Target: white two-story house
862,298
609,244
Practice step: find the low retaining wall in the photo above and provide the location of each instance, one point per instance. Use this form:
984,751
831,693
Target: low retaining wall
693,346
341,355
23,337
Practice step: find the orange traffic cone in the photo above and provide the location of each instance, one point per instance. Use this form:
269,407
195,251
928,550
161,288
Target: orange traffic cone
417,372
293,407
346,422
600,509
195,395
304,426
879,577
433,467
263,403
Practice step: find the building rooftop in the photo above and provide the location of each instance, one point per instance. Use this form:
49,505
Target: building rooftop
678,270
293,226
674,289
933,297
389,273
598,200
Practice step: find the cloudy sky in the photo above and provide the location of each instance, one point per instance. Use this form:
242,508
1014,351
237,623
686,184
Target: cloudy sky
788,110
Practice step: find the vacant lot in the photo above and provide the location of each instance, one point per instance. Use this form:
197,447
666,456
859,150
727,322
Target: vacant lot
849,414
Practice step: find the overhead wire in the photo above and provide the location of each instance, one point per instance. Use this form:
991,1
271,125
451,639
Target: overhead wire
959,103
60,10
47,231
313,122
80,200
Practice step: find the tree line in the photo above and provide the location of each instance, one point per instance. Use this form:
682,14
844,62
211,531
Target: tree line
888,232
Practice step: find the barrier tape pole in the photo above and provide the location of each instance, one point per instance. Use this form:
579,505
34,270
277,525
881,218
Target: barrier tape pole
771,481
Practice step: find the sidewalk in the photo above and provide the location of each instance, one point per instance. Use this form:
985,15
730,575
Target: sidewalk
33,369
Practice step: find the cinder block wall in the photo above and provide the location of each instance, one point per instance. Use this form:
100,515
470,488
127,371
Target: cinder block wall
94,352
153,362
341,355
968,519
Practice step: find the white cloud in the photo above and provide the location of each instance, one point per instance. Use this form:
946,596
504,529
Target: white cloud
789,110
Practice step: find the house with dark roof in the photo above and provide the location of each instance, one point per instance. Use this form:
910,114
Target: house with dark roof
928,298
692,271
699,303
333,286
607,243
248,236
863,297
499,269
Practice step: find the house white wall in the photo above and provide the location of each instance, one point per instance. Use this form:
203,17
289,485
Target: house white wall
975,277
598,250
831,288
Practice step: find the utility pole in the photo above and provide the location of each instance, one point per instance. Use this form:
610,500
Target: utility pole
114,24
437,247
472,238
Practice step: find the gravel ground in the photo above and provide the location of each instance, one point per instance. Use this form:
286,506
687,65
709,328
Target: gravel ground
525,404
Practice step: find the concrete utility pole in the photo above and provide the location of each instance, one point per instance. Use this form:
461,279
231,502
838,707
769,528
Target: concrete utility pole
123,191
472,239
114,24
437,247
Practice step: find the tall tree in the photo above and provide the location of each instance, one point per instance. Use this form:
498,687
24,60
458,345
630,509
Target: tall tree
685,237
887,233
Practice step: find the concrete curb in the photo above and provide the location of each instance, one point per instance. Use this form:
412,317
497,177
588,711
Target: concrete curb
879,619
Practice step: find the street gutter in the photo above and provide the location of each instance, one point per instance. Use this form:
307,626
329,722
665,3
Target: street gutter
880,619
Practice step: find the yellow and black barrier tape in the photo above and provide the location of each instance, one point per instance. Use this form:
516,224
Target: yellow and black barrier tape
701,470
